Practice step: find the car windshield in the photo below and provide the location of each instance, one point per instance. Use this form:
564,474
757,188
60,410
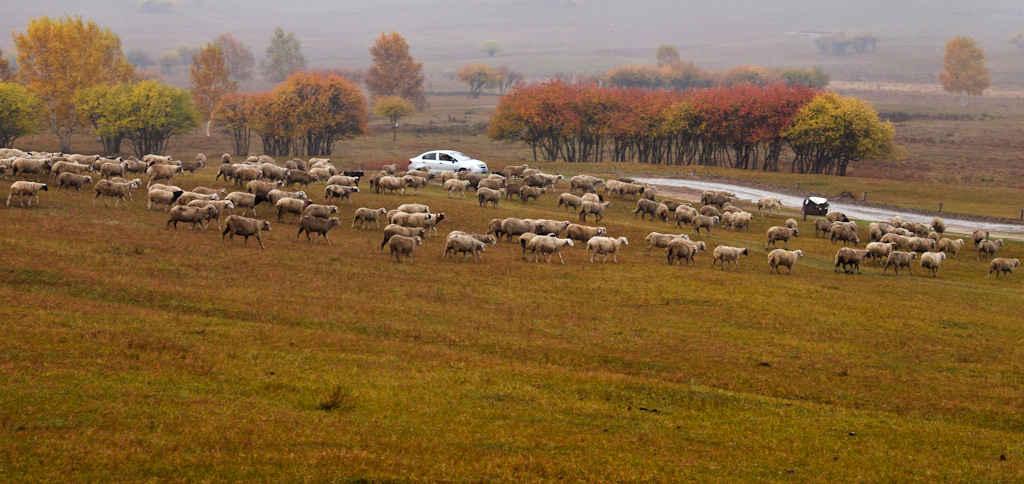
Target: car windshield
459,156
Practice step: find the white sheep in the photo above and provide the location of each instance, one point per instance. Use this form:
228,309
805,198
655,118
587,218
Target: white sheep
462,244
28,189
703,221
850,259
413,208
593,208
486,195
320,211
950,246
246,201
766,204
162,197
570,201
930,261
661,241
898,259
583,233
190,215
988,247
680,249
116,190
339,191
727,254
1002,265
458,186
222,206
778,233
785,258
546,245
399,245
880,251
72,180
606,246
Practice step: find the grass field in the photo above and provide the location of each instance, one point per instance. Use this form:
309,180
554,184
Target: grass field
138,354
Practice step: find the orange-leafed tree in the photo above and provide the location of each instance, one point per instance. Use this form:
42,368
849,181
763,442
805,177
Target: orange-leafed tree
237,57
59,57
965,71
210,81
479,77
235,117
6,75
320,110
394,72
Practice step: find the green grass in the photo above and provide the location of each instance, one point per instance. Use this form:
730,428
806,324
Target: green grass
135,352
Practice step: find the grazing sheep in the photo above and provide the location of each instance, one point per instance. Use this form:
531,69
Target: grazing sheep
158,196
399,245
246,201
191,215
343,180
950,246
260,187
491,184
320,211
364,215
919,229
551,226
606,246
716,197
583,233
902,242
645,207
72,180
487,239
931,261
547,245
680,249
662,212
791,223
389,169
661,241
710,211
28,166
740,220
463,244
415,182
192,166
921,244
321,173
321,226
275,196
221,193
727,254
585,183
899,259
785,258
823,226
528,192
592,197
836,217
394,229
978,236
339,191
593,208
70,167
222,206
486,195
705,222
988,248
530,171
880,251
513,226
428,221
291,205
494,228
766,204
413,208
225,170
299,177
162,172
392,184
28,189
938,225
541,180
245,227
777,233
570,201
189,196
1002,265
513,171
845,233
850,259
108,188
458,186
685,215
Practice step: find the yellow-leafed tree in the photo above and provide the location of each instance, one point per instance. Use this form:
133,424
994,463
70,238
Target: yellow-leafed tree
59,57
965,70
394,72
479,77
210,80
393,108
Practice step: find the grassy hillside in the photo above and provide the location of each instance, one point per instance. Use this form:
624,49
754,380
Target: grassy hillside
147,354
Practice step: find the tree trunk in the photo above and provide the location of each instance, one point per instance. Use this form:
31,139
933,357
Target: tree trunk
208,122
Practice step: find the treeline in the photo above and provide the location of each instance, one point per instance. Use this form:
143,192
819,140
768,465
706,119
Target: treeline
305,115
742,126
841,44
685,75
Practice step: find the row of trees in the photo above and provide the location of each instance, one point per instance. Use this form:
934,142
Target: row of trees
841,44
681,76
743,126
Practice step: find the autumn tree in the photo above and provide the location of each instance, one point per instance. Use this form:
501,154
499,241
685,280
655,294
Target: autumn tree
235,117
832,131
237,56
393,108
813,77
509,78
58,58
667,54
6,74
491,47
313,112
631,76
169,59
685,75
284,56
747,74
479,77
19,112
100,107
394,72
1017,39
965,70
210,81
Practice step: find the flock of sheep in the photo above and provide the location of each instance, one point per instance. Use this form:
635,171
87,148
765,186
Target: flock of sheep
260,179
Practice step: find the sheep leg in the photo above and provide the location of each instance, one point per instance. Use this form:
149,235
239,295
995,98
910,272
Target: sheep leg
559,252
260,240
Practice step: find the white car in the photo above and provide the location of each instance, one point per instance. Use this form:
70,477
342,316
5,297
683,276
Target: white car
447,160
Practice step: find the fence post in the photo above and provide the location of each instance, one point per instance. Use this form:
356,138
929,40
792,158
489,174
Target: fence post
940,207
693,171
1022,214
797,185
864,197
360,167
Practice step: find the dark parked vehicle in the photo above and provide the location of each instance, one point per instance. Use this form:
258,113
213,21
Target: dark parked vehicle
815,206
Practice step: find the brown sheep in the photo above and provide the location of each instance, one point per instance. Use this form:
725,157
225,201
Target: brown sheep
245,227
321,226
